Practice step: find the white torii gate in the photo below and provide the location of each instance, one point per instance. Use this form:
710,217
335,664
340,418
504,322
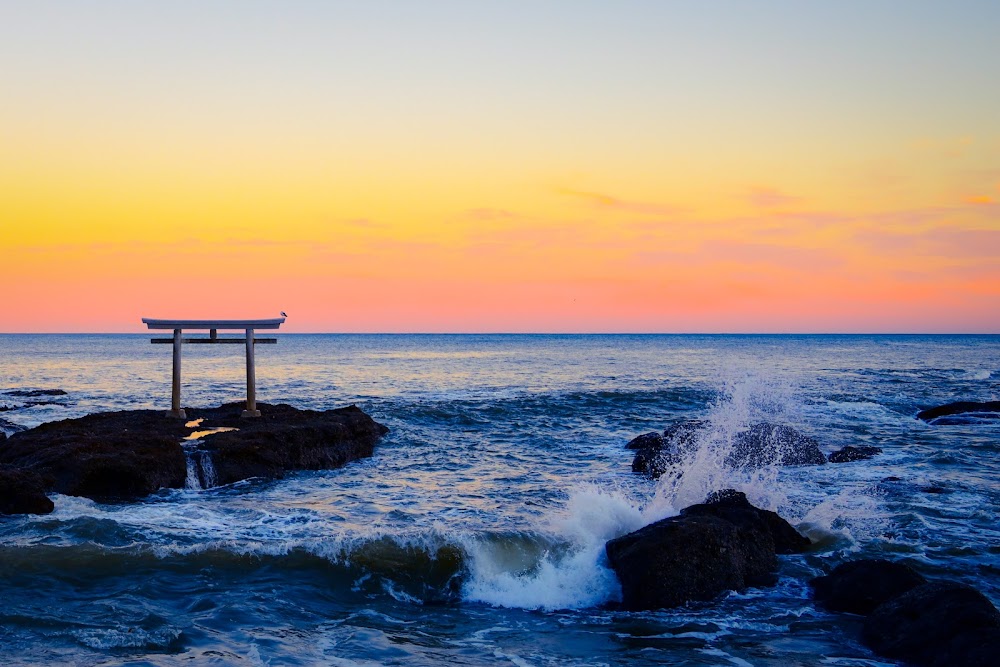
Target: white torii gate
213,327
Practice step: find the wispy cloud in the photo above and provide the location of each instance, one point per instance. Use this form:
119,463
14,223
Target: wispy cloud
947,242
362,223
764,197
610,203
981,199
790,257
487,214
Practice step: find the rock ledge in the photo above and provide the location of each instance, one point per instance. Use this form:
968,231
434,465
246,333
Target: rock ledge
129,454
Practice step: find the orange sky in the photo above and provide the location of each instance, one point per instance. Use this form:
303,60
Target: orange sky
629,167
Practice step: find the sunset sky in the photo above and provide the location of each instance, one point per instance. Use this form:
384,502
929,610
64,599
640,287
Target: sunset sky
502,166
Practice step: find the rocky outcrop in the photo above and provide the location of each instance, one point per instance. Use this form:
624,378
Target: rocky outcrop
851,453
106,456
130,454
931,624
656,452
22,492
723,544
34,393
860,586
762,443
284,438
759,445
734,507
989,409
940,623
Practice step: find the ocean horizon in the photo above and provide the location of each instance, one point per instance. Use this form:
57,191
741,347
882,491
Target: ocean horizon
475,533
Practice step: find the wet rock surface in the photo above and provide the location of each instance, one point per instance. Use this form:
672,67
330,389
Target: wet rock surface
936,624
734,507
988,409
34,393
851,453
721,545
932,624
860,586
22,492
285,438
755,447
130,454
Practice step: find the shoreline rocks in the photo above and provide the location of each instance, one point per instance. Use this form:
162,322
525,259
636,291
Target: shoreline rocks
859,586
22,492
722,544
936,624
130,454
851,453
926,623
988,409
34,393
755,447
285,438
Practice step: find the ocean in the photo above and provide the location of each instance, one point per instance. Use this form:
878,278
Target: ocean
475,534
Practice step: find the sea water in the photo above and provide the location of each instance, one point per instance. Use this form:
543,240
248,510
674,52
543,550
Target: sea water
475,534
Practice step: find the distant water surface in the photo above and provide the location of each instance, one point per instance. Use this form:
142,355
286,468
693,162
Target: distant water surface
475,534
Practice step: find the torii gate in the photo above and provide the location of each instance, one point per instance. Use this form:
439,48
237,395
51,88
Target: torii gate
213,327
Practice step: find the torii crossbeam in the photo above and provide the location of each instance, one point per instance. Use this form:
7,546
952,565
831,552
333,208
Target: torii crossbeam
213,327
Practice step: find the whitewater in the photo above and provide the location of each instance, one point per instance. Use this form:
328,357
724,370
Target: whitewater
475,534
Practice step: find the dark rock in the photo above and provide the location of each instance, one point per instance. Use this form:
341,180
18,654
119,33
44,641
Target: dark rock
764,443
860,586
960,407
852,453
22,492
285,438
721,545
936,624
734,507
646,441
656,453
130,454
108,456
758,446
35,393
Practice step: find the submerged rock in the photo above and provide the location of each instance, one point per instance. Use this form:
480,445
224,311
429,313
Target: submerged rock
940,623
34,393
22,492
851,453
859,586
759,445
130,454
989,409
723,544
